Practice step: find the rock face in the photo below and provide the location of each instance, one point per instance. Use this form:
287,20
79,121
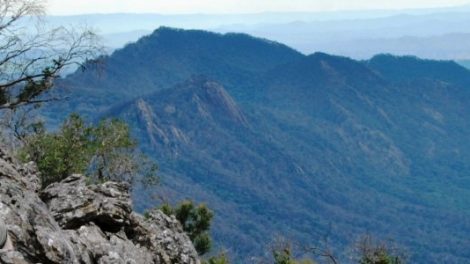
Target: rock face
73,222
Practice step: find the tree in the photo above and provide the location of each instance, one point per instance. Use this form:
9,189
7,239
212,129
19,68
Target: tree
32,55
60,154
103,152
196,221
16,125
282,253
115,155
378,252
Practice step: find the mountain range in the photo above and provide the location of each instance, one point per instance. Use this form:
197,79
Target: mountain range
357,34
305,146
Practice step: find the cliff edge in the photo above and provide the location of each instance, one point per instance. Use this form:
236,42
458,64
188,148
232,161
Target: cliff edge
76,222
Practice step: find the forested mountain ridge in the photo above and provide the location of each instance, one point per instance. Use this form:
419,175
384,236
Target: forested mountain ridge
169,56
282,143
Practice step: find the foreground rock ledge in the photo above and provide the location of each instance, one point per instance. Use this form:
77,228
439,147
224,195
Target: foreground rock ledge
72,222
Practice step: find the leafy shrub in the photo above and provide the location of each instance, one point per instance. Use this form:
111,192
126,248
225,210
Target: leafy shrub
103,152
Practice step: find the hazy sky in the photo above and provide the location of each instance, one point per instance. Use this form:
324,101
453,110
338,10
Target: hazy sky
63,7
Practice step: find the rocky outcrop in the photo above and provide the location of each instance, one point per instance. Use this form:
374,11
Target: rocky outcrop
73,203
76,222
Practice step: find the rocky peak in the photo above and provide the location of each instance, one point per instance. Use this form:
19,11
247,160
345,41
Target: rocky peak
76,222
167,119
210,96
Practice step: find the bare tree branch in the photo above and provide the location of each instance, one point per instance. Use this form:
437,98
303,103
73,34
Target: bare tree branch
33,56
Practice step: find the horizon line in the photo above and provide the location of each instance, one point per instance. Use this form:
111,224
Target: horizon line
398,10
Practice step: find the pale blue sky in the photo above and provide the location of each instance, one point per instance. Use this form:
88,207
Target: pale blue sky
66,7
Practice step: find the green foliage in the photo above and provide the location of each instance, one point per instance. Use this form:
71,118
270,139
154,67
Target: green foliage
103,152
115,156
202,243
373,252
167,209
369,251
60,154
282,253
196,221
33,88
147,215
219,259
381,258
283,256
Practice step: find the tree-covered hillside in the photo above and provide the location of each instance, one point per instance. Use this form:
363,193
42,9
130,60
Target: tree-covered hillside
305,146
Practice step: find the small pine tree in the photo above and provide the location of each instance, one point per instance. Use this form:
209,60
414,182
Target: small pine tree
196,221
